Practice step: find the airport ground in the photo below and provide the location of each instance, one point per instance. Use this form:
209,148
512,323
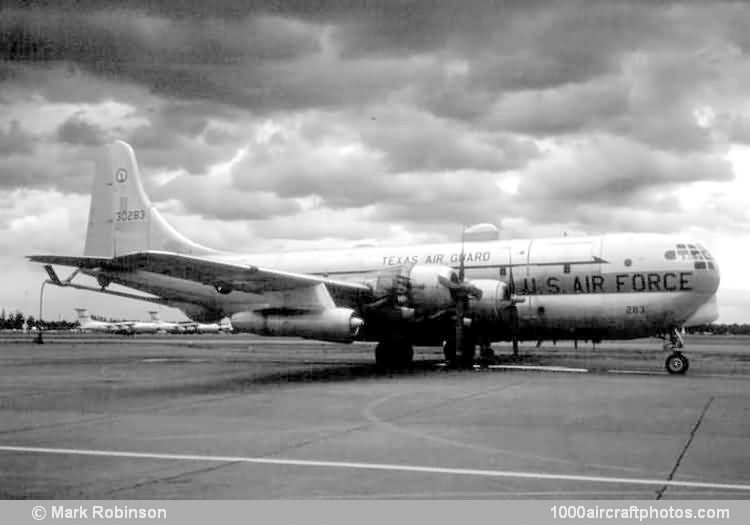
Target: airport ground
234,416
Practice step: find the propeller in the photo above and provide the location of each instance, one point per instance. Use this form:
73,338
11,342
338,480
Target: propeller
461,290
515,328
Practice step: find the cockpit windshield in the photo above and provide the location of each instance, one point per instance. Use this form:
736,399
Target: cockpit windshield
691,252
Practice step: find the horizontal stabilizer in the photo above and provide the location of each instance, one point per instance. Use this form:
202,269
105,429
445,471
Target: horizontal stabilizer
68,260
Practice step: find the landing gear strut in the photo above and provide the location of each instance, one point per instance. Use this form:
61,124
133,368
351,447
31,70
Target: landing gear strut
464,358
394,354
676,363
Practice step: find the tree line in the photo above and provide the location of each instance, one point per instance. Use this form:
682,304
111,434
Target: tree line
720,329
18,321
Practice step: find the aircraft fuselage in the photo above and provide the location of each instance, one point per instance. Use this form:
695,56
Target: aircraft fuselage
611,286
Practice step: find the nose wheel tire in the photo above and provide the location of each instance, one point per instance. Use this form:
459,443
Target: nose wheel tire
677,363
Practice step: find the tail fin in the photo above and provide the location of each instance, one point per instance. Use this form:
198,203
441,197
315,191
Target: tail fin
121,218
83,314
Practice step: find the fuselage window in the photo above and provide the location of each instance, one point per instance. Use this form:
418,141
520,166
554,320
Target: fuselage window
503,271
628,262
670,255
566,268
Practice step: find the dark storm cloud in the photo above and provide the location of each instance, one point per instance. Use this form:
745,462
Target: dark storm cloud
610,172
48,168
182,57
350,160
395,95
76,130
262,58
344,180
413,141
15,139
567,109
214,199
455,198
190,135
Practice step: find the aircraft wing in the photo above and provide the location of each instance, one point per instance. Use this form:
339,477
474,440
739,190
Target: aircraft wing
243,277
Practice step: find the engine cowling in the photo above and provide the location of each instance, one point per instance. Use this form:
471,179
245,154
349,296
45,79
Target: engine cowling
426,294
494,298
415,287
333,324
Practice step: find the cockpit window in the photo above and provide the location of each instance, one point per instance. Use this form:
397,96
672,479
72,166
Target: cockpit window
689,252
700,265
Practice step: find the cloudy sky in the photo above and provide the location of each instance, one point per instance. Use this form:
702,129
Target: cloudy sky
278,125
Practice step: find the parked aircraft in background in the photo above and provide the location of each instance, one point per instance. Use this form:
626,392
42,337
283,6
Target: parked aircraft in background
206,328
87,324
616,286
165,326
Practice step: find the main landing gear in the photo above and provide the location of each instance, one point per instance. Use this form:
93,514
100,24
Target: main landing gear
676,363
462,357
395,353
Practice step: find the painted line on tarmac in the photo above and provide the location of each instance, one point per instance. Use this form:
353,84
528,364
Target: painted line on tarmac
638,372
540,368
377,466
176,360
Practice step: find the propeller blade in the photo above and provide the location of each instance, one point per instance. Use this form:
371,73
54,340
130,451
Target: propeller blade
451,285
473,290
461,260
460,288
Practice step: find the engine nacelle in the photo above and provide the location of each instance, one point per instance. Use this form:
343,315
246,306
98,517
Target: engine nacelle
334,324
425,292
415,287
495,297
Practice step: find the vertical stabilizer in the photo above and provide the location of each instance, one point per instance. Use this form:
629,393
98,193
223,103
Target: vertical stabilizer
121,217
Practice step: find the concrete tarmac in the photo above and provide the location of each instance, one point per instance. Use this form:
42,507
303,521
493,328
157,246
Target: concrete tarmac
229,416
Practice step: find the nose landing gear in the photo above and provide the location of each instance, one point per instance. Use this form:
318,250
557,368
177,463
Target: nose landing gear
676,363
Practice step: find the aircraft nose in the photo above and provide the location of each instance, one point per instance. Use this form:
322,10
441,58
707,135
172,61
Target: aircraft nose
706,273
717,277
